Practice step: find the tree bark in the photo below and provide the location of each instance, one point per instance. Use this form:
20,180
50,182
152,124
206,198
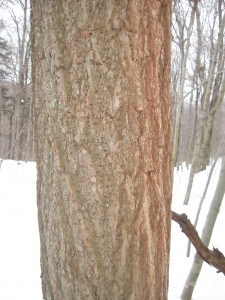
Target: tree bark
101,84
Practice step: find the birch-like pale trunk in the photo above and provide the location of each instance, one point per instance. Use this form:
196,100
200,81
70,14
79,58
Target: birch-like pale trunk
202,201
206,234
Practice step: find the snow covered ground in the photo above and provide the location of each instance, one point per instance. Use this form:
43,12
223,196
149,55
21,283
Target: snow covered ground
19,250
210,285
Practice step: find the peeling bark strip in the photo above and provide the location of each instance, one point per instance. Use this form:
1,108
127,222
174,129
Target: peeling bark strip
101,84
213,257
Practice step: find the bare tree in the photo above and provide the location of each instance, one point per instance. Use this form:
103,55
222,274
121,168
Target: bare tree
198,96
21,115
201,112
19,141
184,43
206,234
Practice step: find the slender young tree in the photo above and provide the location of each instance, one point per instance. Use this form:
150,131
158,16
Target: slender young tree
6,103
101,84
20,129
17,126
211,100
184,49
206,234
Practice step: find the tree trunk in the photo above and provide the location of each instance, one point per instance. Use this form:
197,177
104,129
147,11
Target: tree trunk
207,113
101,78
22,69
202,201
206,234
180,103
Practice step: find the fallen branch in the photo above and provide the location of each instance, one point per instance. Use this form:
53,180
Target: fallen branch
213,257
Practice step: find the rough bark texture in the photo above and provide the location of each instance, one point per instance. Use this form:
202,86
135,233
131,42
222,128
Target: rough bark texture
101,78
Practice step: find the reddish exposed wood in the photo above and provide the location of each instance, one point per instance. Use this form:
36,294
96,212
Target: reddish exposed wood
213,257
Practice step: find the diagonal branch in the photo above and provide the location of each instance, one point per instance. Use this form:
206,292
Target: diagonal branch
213,257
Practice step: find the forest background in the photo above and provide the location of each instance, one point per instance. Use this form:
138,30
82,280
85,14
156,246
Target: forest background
198,87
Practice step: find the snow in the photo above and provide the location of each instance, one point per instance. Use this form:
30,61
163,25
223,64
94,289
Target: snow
19,252
210,284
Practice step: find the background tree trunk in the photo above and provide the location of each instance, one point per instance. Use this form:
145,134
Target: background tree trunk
101,78
206,234
204,131
184,56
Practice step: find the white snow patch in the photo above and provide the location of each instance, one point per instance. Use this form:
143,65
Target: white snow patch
20,257
20,253
210,285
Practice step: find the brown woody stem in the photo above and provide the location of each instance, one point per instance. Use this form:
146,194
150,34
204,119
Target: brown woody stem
213,257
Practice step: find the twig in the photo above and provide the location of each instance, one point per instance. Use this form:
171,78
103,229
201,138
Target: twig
213,257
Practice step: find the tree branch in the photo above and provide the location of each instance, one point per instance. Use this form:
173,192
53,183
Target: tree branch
213,257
